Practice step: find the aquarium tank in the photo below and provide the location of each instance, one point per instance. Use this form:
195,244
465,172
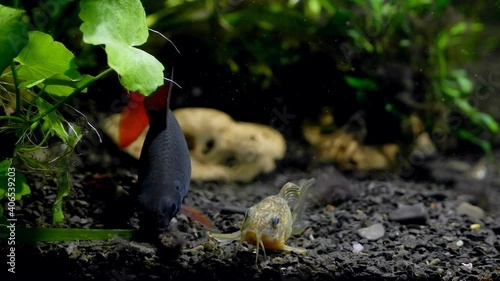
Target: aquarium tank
258,140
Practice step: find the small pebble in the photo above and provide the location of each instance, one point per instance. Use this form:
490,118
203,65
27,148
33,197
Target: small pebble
460,243
435,262
329,208
71,247
475,226
372,232
356,247
470,210
409,213
409,241
491,239
311,237
433,205
466,266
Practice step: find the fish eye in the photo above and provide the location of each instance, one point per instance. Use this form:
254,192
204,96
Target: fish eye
170,209
275,220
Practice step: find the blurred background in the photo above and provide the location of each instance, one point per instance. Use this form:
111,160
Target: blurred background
385,71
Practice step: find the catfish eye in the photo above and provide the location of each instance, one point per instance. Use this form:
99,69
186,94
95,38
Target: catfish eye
275,220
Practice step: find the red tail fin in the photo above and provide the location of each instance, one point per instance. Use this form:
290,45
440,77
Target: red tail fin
197,215
159,99
134,119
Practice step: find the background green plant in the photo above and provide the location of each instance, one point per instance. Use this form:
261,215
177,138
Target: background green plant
427,43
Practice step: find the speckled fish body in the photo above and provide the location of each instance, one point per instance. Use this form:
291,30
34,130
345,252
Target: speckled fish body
269,223
165,168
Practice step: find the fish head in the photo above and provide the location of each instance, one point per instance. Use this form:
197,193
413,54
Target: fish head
169,207
267,224
163,206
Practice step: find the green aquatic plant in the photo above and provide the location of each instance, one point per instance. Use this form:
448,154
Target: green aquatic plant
426,40
38,77
41,234
430,38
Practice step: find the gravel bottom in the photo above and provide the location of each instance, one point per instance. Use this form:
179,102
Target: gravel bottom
360,228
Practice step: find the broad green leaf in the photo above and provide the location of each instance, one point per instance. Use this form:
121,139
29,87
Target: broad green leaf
13,35
139,71
53,120
19,182
61,85
22,187
43,58
113,21
75,134
120,25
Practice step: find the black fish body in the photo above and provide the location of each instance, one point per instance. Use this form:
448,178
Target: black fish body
165,170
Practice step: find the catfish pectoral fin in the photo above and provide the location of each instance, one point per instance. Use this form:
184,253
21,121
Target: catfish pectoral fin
225,237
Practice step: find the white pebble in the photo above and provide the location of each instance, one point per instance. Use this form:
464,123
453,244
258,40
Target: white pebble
460,243
356,247
467,265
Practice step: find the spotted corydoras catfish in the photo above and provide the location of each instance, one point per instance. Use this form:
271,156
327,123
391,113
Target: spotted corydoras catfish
269,223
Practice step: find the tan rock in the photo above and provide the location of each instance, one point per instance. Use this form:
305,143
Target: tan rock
346,148
111,126
224,149
221,149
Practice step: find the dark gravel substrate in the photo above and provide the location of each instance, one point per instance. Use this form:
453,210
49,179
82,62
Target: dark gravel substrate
424,236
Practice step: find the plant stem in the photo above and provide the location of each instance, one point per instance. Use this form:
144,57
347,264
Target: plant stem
36,146
11,117
34,100
16,88
76,91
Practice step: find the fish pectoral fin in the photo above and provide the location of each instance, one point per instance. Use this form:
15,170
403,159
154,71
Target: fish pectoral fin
225,237
197,215
294,249
299,227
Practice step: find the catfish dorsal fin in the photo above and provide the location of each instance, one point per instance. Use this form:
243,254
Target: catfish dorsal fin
291,193
296,196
